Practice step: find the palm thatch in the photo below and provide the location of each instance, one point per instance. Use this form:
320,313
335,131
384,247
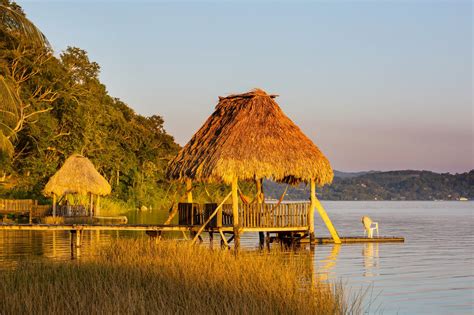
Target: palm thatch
77,176
248,136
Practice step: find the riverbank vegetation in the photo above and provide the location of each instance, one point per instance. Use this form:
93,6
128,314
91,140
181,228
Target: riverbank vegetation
139,276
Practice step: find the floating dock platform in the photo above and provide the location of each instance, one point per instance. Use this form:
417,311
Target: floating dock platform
356,239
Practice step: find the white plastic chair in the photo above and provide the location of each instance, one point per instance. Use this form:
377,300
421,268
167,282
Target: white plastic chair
370,226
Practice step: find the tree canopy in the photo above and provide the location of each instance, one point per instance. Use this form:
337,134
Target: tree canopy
52,107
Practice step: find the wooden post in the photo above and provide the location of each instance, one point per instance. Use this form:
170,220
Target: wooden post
189,195
54,205
327,221
189,190
311,211
261,240
260,199
97,205
91,205
259,187
235,213
219,218
34,206
267,241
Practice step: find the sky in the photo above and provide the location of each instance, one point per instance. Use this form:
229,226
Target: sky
377,85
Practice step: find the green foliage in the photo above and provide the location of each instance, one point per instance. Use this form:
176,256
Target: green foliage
68,110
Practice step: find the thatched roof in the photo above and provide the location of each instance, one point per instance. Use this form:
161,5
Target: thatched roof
249,136
77,176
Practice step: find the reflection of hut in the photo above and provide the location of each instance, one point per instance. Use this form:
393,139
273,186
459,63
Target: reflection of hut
248,137
77,176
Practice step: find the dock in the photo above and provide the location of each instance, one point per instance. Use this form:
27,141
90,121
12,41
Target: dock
357,239
154,230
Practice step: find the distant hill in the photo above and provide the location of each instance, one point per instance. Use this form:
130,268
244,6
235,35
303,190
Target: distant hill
351,174
393,185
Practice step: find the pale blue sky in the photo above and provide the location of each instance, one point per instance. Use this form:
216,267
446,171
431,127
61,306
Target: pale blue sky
377,85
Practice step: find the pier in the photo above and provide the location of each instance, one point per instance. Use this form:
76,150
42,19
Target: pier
294,235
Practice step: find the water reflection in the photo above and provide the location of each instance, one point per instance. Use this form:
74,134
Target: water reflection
325,267
371,259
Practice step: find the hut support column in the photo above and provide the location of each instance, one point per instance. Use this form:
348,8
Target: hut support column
91,205
97,205
189,190
260,199
311,211
189,196
54,205
235,213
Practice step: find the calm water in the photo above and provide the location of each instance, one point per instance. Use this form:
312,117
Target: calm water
431,273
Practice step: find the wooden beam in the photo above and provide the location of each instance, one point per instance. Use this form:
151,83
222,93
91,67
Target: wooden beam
97,205
311,209
327,221
259,188
91,205
260,199
209,219
235,212
276,229
224,240
54,205
174,210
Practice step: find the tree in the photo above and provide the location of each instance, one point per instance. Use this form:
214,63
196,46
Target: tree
14,113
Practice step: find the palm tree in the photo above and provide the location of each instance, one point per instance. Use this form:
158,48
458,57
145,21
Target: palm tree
14,22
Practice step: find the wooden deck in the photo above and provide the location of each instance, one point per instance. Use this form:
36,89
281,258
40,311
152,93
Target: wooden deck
357,239
289,235
194,228
137,227
282,222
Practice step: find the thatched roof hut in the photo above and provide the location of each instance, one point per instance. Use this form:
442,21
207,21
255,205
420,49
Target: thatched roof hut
77,176
249,137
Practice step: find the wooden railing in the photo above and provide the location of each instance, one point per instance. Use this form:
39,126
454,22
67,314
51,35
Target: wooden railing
11,206
24,207
72,210
274,215
251,215
197,214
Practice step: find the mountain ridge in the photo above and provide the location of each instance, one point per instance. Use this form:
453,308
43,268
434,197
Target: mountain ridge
385,185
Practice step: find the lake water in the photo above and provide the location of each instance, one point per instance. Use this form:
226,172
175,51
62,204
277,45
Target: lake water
431,273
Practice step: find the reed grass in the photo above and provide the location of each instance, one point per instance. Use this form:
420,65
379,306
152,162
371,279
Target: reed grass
52,220
139,276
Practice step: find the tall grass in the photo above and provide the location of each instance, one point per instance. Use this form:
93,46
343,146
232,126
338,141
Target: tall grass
138,276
